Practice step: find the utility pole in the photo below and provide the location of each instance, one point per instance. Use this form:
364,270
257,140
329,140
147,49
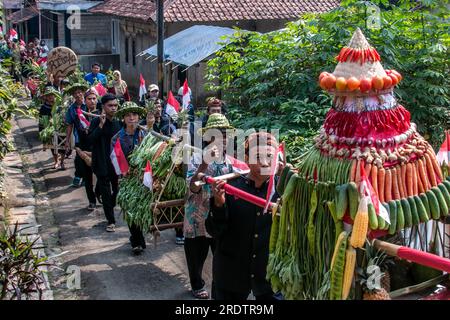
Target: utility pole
160,44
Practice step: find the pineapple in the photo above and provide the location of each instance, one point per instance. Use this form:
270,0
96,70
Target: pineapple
374,277
376,294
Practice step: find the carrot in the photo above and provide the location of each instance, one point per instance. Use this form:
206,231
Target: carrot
420,186
423,175
374,178
403,173
395,187
368,169
409,179
381,176
399,182
388,186
415,178
430,170
358,173
353,170
436,167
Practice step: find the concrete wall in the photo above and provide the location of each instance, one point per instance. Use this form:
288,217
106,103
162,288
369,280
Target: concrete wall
94,36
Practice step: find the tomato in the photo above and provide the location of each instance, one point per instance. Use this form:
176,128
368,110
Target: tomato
394,79
329,81
341,83
387,82
365,85
323,74
353,83
377,82
398,75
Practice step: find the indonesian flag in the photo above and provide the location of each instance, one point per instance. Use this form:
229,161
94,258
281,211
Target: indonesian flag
142,89
444,152
271,187
366,190
172,106
148,176
13,35
100,89
186,95
83,121
238,166
118,159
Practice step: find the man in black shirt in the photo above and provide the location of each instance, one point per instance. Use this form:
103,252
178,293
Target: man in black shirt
241,229
101,131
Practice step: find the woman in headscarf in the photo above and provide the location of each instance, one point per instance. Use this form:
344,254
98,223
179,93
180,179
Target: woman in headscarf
119,87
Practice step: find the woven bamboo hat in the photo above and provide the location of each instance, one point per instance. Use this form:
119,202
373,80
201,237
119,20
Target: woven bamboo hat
128,107
217,121
76,86
50,90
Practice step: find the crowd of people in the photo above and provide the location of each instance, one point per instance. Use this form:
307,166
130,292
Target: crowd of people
236,232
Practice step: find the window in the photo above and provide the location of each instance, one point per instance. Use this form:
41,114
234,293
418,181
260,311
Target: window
133,51
127,57
115,36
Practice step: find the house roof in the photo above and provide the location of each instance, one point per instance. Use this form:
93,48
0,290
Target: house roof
23,14
215,10
193,44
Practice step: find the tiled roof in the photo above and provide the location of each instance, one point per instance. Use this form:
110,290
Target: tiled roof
215,10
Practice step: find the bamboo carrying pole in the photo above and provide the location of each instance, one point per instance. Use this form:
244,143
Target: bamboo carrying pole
417,256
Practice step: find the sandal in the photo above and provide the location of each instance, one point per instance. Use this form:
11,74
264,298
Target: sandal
201,294
111,228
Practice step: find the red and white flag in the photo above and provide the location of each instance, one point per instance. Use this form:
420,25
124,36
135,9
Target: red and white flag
142,88
271,187
238,166
172,106
100,89
366,190
83,121
118,159
444,152
148,176
186,95
13,34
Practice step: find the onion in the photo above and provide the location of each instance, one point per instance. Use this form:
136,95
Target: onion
342,140
370,141
383,142
397,140
333,139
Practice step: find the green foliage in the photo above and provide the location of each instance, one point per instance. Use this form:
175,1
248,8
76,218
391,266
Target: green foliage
20,266
270,80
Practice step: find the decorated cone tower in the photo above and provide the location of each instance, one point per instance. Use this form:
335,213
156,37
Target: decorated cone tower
369,168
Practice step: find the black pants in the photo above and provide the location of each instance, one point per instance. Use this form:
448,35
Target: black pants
107,184
196,251
86,173
179,232
137,237
78,166
219,294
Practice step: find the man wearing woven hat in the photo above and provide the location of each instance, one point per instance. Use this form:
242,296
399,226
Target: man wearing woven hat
90,97
101,130
46,110
240,228
130,136
75,126
197,240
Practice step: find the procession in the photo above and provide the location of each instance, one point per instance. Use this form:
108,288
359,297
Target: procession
346,197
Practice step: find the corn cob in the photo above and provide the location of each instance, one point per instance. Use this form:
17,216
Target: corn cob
349,270
360,227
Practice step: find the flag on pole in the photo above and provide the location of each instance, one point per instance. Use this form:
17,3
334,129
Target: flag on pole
118,159
172,106
142,88
444,152
100,89
271,186
148,176
186,95
366,190
83,121
13,35
238,166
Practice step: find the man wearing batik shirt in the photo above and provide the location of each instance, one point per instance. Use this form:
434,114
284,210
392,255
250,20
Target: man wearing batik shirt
196,240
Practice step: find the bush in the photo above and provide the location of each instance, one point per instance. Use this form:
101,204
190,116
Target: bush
270,80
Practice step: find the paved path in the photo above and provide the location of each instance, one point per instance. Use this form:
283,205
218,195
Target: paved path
108,269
